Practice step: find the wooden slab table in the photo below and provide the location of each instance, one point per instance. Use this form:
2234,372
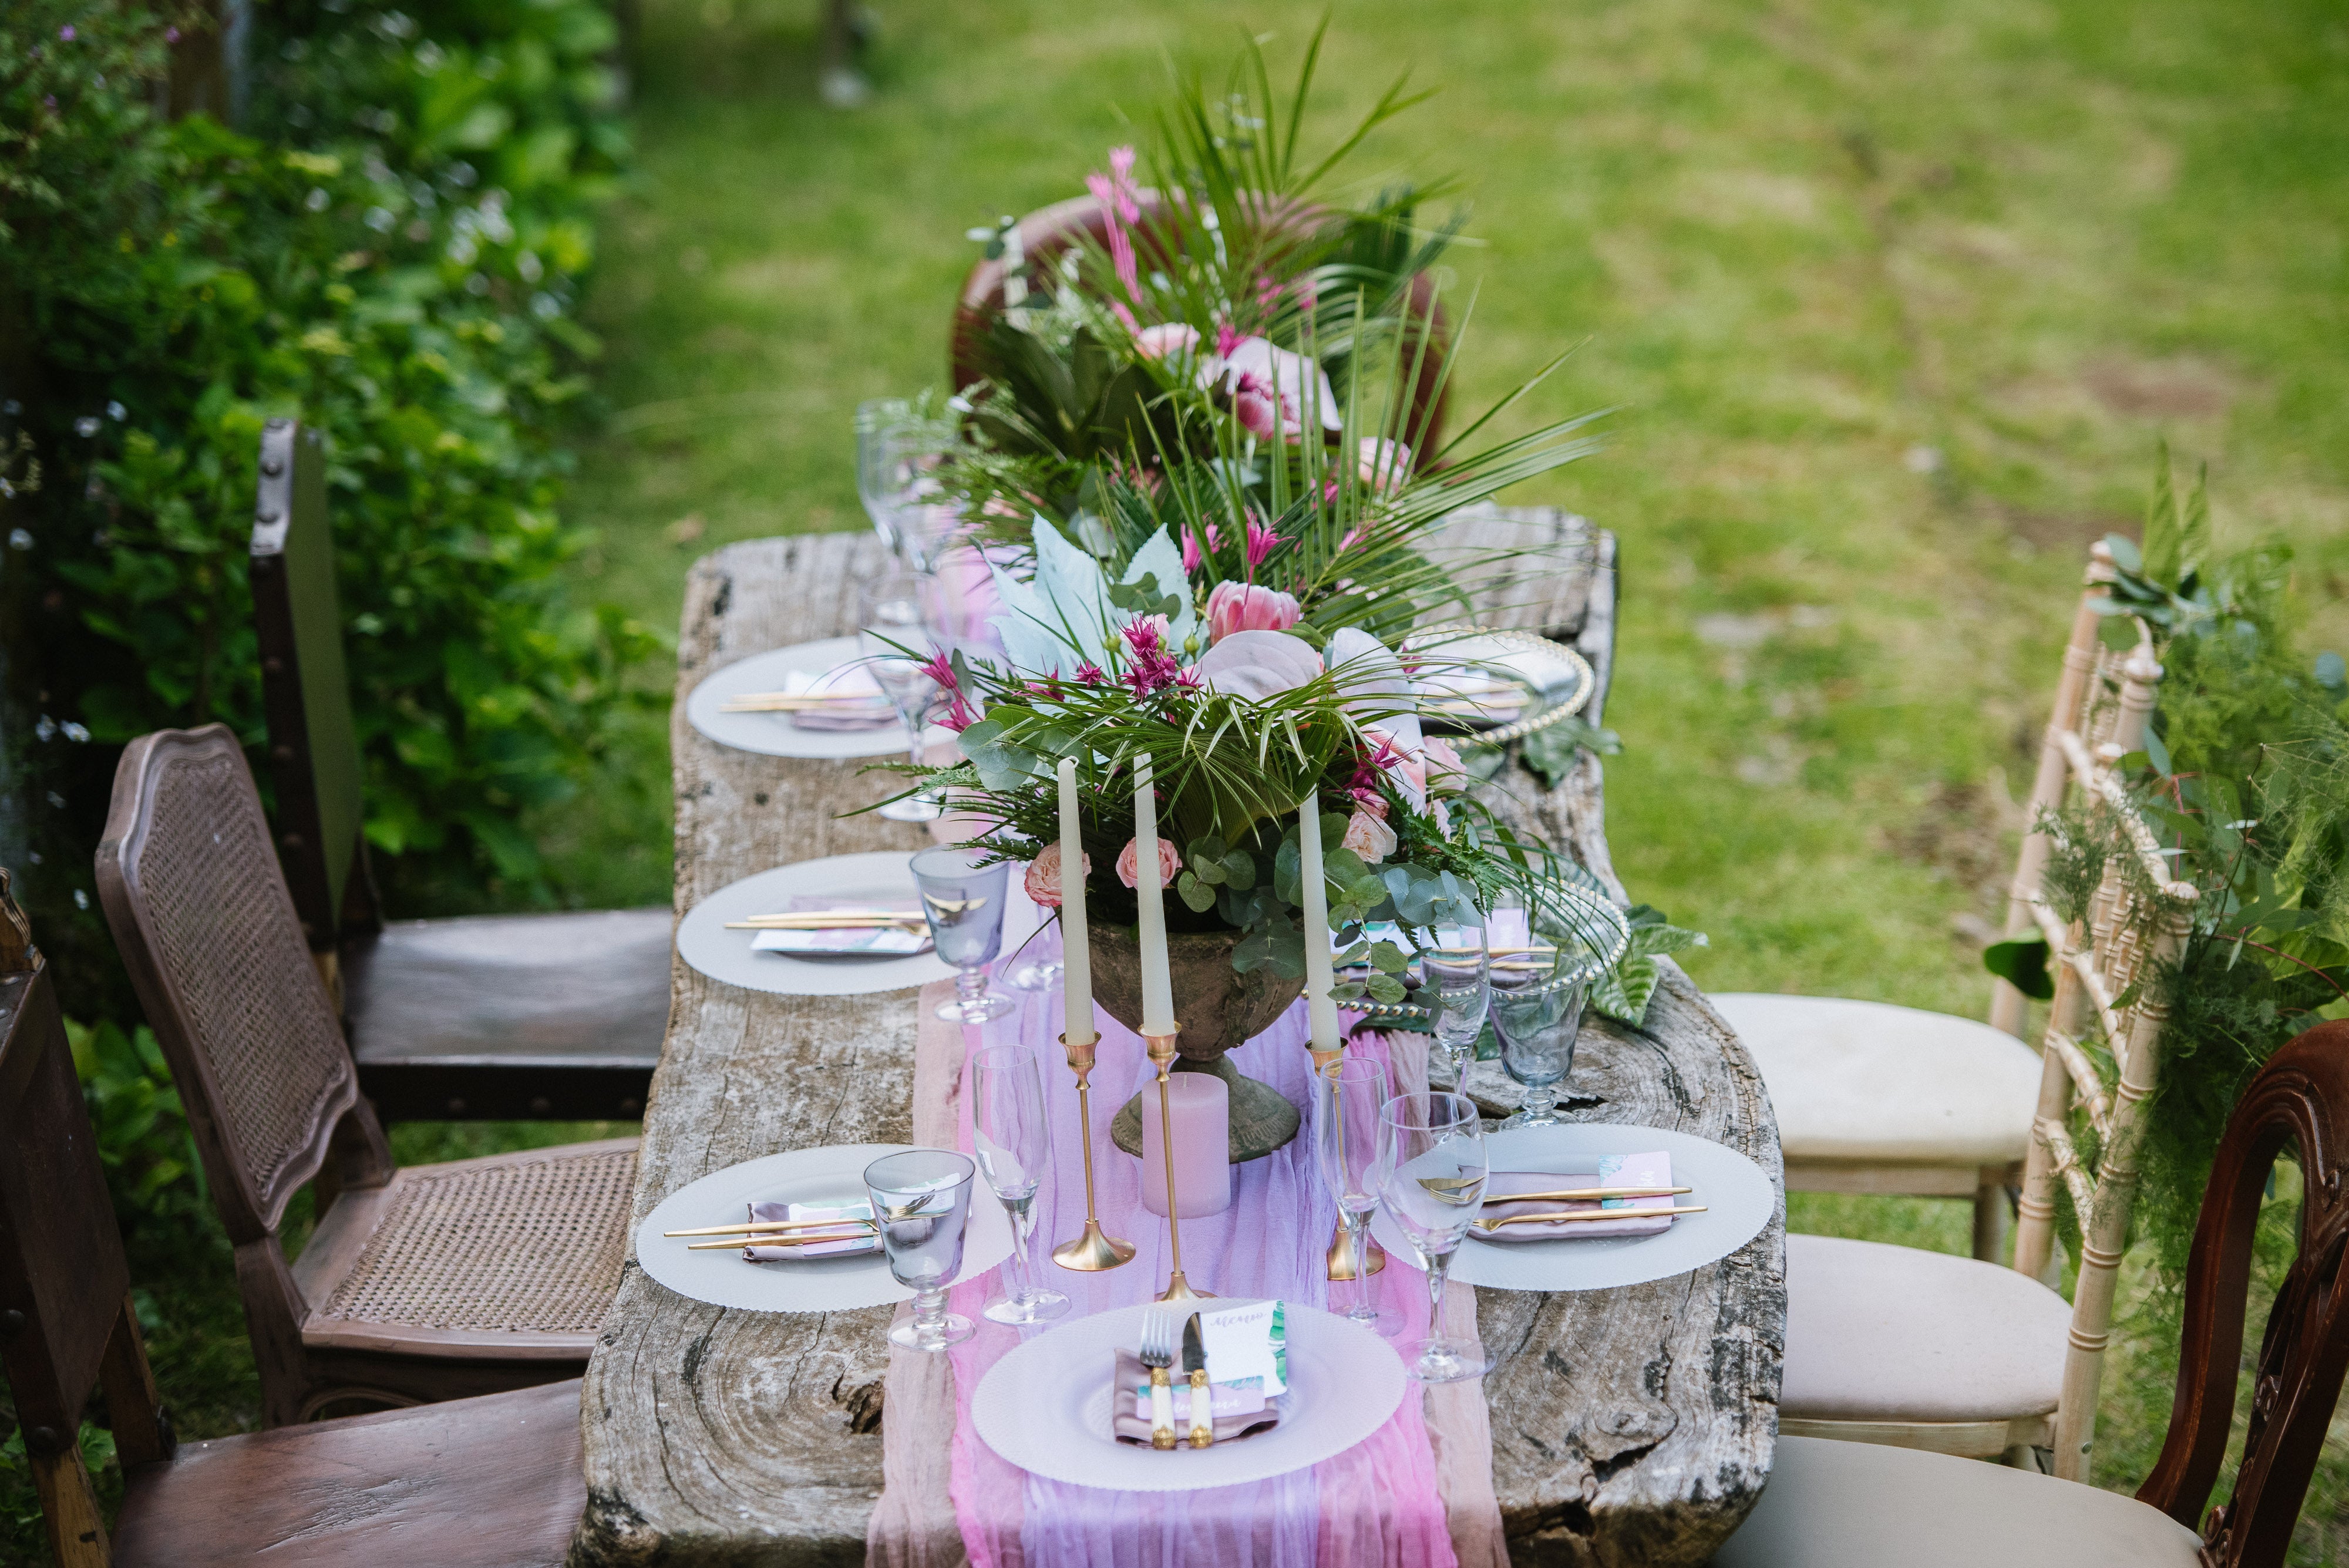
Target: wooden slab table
1631,1427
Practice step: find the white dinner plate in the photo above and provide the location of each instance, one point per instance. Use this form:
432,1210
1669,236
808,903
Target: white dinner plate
1738,1197
774,734
834,1173
883,875
1045,1407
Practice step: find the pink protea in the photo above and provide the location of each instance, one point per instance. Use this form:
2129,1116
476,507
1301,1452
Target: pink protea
1044,880
1129,863
1247,606
1368,837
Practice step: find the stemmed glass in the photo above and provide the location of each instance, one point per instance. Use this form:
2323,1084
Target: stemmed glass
964,902
922,1199
894,638
1537,1011
1347,1095
878,422
1431,1171
1456,969
1015,1148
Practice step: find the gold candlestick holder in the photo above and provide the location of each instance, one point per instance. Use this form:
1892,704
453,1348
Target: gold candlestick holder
1093,1250
1162,1055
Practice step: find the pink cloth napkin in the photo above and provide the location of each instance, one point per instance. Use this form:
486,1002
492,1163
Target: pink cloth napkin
869,708
1614,1171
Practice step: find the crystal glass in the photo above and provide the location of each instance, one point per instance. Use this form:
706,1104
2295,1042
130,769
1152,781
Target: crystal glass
878,422
922,1199
1014,1144
894,638
964,901
1349,1094
1456,971
1536,1009
1043,968
1431,1182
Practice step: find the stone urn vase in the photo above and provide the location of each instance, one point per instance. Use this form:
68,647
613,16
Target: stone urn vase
1216,1008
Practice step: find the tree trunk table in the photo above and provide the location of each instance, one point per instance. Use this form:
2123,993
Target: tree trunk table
1629,1426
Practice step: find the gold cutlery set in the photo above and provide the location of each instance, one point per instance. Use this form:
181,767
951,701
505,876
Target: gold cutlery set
1584,1216
1156,1352
799,702
834,920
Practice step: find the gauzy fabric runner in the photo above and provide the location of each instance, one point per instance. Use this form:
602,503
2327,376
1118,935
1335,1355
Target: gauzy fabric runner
1417,1493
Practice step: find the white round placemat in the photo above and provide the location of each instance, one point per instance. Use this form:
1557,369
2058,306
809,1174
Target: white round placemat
1737,1195
1045,1407
883,875
834,1173
774,734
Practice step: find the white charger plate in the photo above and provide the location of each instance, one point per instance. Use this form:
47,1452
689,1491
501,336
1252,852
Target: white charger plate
884,876
1045,1407
832,1173
1738,1197
774,734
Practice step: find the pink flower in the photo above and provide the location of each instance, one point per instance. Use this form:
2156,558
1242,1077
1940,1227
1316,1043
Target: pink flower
1372,801
1352,537
1246,606
1191,556
1408,769
1442,818
1226,339
1260,543
1446,774
1368,837
1284,381
1091,673
1129,864
1043,878
1120,205
1384,465
1168,338
1152,669
1259,411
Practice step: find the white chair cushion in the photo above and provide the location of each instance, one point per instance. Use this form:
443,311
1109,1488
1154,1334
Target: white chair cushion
1857,1505
1879,1332
1866,1081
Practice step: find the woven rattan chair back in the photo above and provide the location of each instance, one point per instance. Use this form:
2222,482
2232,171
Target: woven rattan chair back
65,1325
2133,923
201,912
314,747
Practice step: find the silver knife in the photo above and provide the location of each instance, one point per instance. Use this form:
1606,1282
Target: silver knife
1194,1362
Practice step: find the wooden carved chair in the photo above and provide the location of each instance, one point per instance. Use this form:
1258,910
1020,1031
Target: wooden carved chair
428,1283
1895,1345
1850,1505
500,1017
492,1483
1873,1099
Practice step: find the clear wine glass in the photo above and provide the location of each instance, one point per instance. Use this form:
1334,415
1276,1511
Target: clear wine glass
877,421
894,641
1043,967
1457,990
1348,1095
964,901
1537,1011
922,1200
1014,1142
1431,1182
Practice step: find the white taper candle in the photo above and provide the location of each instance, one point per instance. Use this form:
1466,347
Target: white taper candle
1319,981
1157,984
1076,955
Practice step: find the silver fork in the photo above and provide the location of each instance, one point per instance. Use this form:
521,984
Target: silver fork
1158,1355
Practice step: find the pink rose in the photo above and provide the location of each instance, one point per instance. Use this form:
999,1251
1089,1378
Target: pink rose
1246,606
1368,837
1043,878
1166,337
1446,774
1129,864
1385,465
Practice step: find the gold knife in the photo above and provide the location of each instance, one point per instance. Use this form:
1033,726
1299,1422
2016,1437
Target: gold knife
1194,1362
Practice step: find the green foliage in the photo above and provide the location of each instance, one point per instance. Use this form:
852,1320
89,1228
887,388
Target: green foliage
151,1167
1623,991
1551,749
391,251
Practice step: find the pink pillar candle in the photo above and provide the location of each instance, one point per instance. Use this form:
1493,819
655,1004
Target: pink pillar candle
1203,1168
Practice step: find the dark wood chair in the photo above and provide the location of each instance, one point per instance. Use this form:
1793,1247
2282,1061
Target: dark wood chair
490,1482
428,1283
550,1016
1834,1504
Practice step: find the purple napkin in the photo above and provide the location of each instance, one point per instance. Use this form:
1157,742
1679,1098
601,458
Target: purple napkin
869,708
1238,1411
1614,1171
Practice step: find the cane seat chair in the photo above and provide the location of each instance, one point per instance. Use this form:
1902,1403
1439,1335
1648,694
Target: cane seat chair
1897,1345
1850,1505
549,1017
489,1482
425,1282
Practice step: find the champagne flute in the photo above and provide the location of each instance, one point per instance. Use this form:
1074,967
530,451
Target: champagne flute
1349,1094
922,1199
964,903
1014,1144
1457,972
1431,1182
894,637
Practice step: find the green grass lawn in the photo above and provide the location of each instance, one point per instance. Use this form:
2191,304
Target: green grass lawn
1892,302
